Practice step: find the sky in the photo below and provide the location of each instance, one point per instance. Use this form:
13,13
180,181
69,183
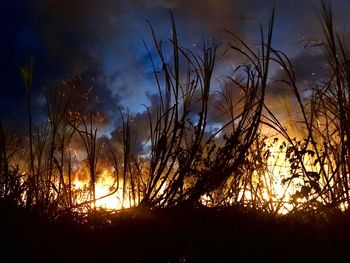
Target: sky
102,42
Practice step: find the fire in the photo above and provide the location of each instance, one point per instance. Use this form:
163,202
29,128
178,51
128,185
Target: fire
275,193
107,194
104,187
267,186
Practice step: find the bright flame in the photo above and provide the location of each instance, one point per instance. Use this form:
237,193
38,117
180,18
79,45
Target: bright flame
107,196
266,185
276,194
104,187
268,188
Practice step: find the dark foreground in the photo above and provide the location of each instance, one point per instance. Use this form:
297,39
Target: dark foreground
175,235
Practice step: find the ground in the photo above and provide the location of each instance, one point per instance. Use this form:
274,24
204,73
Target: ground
174,235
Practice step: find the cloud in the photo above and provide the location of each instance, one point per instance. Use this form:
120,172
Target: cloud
103,39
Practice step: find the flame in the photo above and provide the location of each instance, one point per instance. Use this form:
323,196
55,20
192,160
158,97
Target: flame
267,185
107,196
276,194
104,187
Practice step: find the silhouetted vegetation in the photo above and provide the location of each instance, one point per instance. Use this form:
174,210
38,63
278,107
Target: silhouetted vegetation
192,193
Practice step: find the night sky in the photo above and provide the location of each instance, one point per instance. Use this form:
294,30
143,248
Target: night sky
102,41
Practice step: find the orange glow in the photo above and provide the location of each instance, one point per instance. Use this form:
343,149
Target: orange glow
266,188
107,196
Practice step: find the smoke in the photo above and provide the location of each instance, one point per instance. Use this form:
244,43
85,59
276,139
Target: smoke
102,40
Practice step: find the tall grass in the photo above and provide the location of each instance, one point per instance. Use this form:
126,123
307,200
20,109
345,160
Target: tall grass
187,164
324,118
12,186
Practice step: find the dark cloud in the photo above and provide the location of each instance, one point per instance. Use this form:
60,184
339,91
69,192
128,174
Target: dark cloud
101,41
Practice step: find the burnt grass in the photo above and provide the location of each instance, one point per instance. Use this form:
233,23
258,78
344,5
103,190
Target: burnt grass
199,234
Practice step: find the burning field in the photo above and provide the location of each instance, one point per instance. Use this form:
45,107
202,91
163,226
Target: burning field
248,164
